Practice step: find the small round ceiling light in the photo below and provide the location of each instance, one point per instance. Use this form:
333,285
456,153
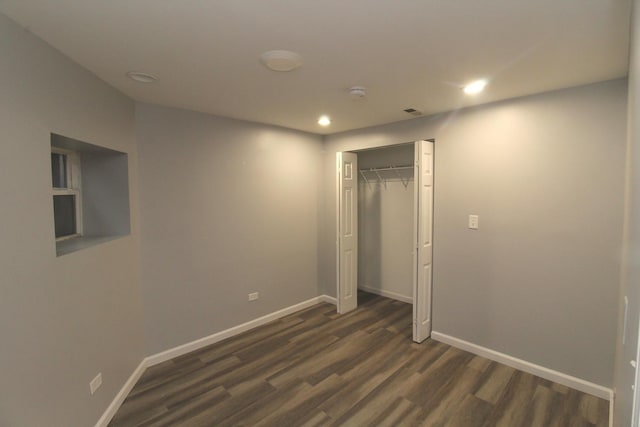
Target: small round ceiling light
141,77
475,87
357,92
281,60
324,121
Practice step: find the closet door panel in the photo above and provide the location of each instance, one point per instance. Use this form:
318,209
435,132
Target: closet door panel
423,222
347,203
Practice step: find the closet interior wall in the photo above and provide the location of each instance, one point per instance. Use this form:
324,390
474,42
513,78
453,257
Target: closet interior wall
385,221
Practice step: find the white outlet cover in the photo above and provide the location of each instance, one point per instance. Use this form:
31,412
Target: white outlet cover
253,296
95,383
473,222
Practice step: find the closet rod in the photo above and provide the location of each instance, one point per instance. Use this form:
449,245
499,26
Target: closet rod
405,180
387,168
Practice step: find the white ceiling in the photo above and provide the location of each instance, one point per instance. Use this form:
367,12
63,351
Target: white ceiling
407,53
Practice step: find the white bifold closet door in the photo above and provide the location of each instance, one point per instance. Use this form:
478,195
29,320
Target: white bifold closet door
347,235
423,255
347,242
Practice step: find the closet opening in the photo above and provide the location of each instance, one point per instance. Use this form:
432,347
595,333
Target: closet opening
384,215
385,221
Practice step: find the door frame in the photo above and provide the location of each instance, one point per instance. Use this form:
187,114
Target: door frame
415,243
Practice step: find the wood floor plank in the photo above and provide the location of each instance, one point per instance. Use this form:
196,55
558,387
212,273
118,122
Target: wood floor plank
430,351
317,419
479,363
603,413
267,405
589,408
430,385
367,408
560,388
233,406
298,408
395,413
317,368
337,351
512,408
542,406
396,319
180,388
361,382
472,412
499,375
182,413
450,396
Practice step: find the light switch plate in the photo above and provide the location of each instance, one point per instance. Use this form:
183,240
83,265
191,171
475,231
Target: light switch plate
473,222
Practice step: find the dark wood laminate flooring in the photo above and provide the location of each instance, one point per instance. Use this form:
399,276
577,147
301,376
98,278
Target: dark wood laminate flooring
316,368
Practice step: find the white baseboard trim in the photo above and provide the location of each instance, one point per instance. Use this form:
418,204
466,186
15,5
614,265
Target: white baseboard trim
388,294
219,336
197,344
328,299
121,396
523,365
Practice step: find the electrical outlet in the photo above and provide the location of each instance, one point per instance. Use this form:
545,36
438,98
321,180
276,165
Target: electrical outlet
95,383
253,296
473,222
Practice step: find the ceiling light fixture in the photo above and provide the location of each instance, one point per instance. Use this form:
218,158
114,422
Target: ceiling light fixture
141,77
357,92
281,60
324,121
475,87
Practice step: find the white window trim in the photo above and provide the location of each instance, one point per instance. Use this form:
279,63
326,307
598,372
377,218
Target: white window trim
74,179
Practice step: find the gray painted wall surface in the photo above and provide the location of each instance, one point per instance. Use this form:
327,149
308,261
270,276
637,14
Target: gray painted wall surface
385,223
62,320
105,195
545,173
624,377
227,208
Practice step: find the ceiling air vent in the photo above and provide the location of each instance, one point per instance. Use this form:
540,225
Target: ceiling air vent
413,111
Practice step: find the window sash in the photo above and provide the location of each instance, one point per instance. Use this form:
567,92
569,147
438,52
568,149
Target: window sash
73,188
72,163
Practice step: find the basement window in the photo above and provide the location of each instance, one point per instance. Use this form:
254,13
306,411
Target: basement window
90,186
65,177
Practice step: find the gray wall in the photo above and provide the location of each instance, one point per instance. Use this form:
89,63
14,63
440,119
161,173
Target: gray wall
624,378
385,223
545,173
227,208
62,319
105,195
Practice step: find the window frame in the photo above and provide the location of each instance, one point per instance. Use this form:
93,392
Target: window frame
74,188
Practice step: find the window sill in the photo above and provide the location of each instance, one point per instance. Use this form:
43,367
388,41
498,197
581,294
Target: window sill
67,246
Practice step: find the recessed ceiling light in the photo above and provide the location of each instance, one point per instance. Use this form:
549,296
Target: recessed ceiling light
281,60
141,77
324,121
475,87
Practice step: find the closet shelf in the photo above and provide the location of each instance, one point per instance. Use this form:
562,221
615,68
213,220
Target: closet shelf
382,174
